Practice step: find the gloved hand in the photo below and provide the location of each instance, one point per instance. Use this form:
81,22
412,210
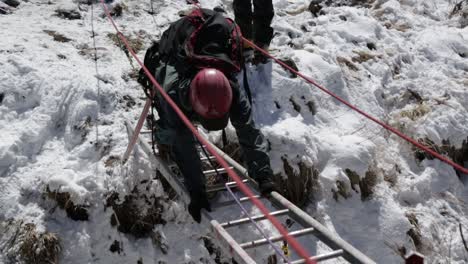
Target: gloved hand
266,186
197,203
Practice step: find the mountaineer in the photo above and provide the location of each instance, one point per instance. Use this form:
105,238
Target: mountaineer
196,62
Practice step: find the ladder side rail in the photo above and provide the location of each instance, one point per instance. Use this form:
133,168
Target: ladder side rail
162,166
335,242
229,245
322,257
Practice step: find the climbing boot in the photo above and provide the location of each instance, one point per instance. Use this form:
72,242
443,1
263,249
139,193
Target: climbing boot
259,57
198,202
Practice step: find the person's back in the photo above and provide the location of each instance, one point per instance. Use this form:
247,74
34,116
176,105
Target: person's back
200,55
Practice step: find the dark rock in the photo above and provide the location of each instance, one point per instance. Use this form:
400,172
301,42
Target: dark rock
291,64
4,10
296,106
371,46
315,7
278,106
219,9
2,96
117,10
12,3
115,247
68,14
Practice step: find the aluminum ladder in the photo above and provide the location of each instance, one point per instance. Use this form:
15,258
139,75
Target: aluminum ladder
238,250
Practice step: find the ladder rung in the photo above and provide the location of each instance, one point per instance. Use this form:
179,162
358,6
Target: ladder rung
322,257
264,241
222,187
255,218
214,172
207,158
242,200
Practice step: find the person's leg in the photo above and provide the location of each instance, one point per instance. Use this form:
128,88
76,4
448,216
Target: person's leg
262,17
180,140
243,16
251,140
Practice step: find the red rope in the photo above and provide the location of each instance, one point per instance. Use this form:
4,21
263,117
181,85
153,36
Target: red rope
291,240
387,127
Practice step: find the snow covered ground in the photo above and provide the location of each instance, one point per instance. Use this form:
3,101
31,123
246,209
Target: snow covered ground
62,131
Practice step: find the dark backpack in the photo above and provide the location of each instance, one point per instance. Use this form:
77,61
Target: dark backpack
202,39
216,42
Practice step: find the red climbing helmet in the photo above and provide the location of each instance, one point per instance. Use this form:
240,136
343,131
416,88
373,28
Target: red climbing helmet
211,98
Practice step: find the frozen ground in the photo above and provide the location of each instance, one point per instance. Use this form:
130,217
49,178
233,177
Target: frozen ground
404,62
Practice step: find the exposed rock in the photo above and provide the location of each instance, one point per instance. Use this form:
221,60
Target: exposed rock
12,3
4,9
68,14
117,10
296,106
293,65
115,247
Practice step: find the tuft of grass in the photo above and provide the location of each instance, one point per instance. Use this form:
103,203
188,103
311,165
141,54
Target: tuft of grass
136,214
415,232
458,155
417,112
366,184
341,191
75,212
57,36
135,43
347,63
363,56
300,185
38,248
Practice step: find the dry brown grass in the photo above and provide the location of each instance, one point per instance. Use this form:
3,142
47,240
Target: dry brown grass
458,155
21,243
363,56
63,199
366,184
417,112
38,248
136,214
347,63
341,190
135,43
57,36
299,186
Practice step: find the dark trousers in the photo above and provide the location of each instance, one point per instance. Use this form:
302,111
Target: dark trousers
173,132
255,25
